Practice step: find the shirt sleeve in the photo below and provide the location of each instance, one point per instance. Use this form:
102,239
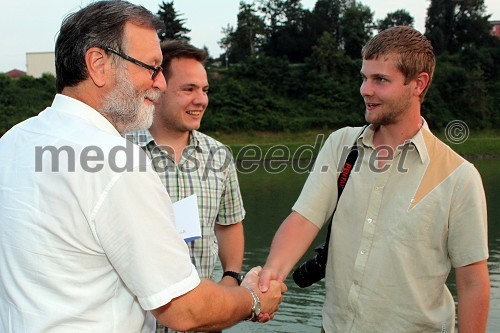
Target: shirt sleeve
135,226
318,197
231,203
468,229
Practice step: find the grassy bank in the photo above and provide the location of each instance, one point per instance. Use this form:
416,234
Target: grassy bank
479,144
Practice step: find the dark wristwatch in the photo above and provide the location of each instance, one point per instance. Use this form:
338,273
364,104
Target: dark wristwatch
238,276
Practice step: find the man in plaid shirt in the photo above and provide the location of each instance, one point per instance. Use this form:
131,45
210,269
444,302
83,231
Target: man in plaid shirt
189,162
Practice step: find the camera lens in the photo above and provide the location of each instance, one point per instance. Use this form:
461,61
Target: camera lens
309,272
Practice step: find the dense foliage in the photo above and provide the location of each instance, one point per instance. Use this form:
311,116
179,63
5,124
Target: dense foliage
272,94
23,98
290,69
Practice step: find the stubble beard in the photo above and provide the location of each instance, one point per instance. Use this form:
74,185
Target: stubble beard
393,112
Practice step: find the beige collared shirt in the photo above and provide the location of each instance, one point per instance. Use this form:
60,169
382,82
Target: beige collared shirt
396,233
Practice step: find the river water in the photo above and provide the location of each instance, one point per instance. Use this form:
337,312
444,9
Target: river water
268,197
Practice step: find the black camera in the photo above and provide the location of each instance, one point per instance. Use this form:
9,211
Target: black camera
312,270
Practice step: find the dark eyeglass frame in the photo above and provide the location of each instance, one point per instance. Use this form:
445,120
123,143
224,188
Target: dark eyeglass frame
155,70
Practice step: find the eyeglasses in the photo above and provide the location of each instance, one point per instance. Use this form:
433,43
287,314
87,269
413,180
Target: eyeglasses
155,70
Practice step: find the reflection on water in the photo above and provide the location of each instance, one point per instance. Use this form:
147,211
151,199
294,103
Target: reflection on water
489,170
494,265
268,199
491,180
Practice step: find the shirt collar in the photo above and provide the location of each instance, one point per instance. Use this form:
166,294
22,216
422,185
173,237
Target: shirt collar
366,139
76,108
144,138
194,140
419,142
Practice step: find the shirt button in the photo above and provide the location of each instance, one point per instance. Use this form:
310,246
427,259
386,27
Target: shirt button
362,251
369,221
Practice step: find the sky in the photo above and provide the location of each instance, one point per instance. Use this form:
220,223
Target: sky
32,25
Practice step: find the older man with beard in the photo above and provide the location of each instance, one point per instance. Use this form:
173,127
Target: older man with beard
82,250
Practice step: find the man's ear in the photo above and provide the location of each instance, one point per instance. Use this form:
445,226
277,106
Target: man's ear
422,81
97,63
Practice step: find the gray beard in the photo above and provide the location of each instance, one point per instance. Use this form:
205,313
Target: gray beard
126,109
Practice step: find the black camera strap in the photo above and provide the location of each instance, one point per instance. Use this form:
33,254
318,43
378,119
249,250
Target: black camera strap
342,180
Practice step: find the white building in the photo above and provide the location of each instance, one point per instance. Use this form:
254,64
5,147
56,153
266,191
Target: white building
38,63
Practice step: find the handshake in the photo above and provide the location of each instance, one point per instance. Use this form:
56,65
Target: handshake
215,306
267,294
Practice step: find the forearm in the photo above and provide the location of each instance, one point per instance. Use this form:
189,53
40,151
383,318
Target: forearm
291,241
473,291
231,246
206,308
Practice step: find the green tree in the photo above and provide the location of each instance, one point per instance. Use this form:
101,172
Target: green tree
452,24
250,29
173,26
246,40
226,42
326,17
287,29
326,57
439,24
357,29
293,38
399,17
274,16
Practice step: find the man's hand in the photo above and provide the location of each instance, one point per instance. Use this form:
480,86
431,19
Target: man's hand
266,276
270,300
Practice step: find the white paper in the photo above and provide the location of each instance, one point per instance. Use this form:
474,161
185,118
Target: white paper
187,218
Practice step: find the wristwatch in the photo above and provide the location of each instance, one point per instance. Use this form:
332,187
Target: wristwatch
238,276
256,304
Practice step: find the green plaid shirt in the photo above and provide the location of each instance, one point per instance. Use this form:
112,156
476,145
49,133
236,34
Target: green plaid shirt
207,170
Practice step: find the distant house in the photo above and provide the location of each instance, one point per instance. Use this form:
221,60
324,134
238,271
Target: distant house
38,63
15,73
495,30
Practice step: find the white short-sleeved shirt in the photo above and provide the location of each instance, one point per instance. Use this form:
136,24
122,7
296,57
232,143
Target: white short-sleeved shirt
396,233
87,239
